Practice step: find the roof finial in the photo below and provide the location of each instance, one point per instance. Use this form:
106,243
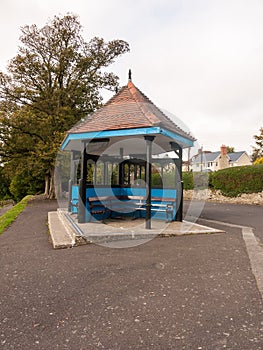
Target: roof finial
130,74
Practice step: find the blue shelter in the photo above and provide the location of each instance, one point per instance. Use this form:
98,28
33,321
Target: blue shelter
119,162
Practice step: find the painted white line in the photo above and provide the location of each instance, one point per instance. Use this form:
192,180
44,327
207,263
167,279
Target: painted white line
225,223
255,253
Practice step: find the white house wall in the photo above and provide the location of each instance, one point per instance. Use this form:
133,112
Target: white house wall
243,160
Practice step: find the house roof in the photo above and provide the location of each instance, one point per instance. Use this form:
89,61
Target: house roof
128,109
212,156
206,157
235,155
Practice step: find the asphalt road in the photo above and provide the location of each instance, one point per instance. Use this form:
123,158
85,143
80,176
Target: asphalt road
239,214
181,293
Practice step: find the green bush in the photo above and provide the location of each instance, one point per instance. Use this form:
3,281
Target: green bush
167,181
157,180
196,180
237,180
188,180
25,184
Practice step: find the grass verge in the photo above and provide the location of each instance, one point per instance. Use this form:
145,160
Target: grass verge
7,218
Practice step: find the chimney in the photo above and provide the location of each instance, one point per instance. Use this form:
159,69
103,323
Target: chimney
223,150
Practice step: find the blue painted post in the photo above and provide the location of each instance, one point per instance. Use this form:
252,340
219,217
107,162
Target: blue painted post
72,157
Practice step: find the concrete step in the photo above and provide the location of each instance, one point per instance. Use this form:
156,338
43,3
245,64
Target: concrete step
60,235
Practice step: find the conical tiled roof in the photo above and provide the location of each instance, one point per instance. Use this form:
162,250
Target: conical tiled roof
128,109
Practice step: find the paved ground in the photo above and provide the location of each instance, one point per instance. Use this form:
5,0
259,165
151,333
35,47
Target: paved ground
115,232
246,215
5,208
191,292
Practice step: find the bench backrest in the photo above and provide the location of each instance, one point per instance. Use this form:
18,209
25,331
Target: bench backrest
140,198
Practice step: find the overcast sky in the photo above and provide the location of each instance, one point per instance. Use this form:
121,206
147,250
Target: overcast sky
201,60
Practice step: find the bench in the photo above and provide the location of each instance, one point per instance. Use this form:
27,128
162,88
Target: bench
127,205
165,205
130,204
110,204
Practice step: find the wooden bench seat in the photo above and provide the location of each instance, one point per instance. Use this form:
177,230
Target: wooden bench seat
165,205
127,205
130,204
110,204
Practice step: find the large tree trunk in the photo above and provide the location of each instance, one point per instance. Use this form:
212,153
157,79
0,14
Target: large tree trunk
46,186
52,193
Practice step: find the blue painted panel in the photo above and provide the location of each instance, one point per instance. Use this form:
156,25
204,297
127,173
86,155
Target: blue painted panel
75,192
118,191
126,132
163,193
156,192
74,198
109,133
177,137
134,191
103,191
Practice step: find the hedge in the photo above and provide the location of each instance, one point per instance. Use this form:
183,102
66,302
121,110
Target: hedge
231,181
188,180
237,180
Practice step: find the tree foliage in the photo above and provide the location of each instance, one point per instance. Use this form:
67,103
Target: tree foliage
258,161
258,150
55,80
230,149
4,185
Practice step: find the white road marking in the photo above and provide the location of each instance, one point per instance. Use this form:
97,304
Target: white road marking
255,253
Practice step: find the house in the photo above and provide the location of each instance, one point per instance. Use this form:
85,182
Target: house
212,161
239,158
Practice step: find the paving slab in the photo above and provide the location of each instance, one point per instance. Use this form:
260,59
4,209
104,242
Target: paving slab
65,231
58,231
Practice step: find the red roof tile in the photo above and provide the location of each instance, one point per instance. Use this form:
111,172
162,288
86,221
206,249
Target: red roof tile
129,108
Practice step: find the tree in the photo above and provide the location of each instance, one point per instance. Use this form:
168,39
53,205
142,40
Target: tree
258,150
258,161
4,185
230,149
54,81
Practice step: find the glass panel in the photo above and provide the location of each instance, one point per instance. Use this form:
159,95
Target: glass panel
157,175
115,174
109,172
77,167
132,174
90,172
126,174
112,173
99,173
169,175
141,174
